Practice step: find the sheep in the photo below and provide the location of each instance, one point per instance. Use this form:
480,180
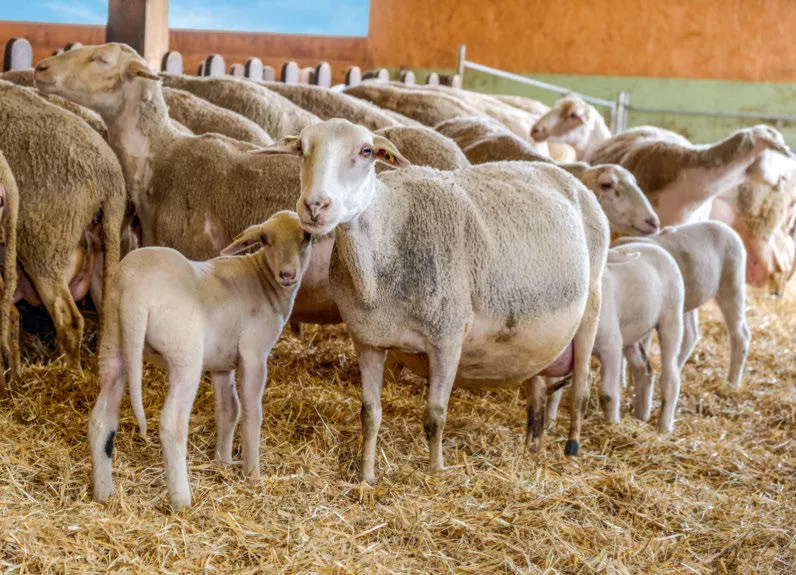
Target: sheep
202,117
66,176
191,193
277,115
483,139
575,122
681,179
220,315
9,316
23,77
434,263
423,106
763,216
533,107
642,292
425,147
325,104
712,259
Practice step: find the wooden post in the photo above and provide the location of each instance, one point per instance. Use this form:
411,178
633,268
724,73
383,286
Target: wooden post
143,25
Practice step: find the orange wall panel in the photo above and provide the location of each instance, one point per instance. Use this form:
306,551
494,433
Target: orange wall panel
723,39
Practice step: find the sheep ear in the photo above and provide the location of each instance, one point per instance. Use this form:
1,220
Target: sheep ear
385,151
577,169
136,69
251,237
288,145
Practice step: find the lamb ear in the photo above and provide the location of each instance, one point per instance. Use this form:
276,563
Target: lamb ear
385,151
288,145
251,237
139,69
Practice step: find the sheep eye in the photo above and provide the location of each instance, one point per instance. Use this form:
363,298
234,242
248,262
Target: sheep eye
307,236
299,149
605,186
366,151
573,116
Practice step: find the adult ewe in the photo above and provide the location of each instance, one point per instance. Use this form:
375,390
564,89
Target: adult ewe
575,122
434,264
276,115
9,316
202,117
191,193
67,176
682,179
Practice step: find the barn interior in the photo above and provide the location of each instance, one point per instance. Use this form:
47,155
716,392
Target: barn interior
716,494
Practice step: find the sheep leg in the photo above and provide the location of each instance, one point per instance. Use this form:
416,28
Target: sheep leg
611,381
583,344
225,393
253,374
55,295
184,381
14,360
690,336
371,366
443,362
670,335
643,380
732,306
104,422
537,399
553,401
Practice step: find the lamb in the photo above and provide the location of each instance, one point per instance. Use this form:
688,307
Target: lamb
67,175
202,117
642,292
575,122
220,315
191,193
9,316
712,259
681,179
275,114
425,147
325,104
426,263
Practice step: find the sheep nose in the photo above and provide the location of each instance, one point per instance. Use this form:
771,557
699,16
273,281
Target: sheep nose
42,67
317,207
654,223
537,133
287,275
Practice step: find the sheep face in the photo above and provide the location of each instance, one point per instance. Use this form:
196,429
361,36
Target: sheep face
567,122
285,246
337,171
93,76
627,208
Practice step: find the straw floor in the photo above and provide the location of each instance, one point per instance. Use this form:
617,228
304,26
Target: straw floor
718,495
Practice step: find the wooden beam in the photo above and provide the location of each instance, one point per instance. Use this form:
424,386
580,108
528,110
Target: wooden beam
142,24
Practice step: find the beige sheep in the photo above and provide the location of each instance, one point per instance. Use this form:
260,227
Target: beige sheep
67,175
9,316
428,263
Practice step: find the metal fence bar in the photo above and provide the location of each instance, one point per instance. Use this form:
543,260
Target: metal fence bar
531,82
713,114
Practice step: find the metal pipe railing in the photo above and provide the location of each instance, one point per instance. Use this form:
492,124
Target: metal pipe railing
619,108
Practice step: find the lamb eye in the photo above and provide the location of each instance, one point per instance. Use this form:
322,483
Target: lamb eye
605,186
366,151
307,236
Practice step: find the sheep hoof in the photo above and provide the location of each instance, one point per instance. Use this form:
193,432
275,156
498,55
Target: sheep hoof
572,447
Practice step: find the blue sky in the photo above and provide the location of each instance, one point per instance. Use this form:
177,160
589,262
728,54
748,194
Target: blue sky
332,17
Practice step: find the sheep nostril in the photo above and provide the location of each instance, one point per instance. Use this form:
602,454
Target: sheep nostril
287,275
653,223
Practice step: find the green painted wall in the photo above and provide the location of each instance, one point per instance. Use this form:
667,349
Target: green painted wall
718,95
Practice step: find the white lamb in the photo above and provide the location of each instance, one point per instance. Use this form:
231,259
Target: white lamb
218,315
642,292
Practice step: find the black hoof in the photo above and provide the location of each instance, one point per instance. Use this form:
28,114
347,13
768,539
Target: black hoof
571,448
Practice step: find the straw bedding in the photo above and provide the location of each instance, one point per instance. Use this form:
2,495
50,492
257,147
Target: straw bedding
718,495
